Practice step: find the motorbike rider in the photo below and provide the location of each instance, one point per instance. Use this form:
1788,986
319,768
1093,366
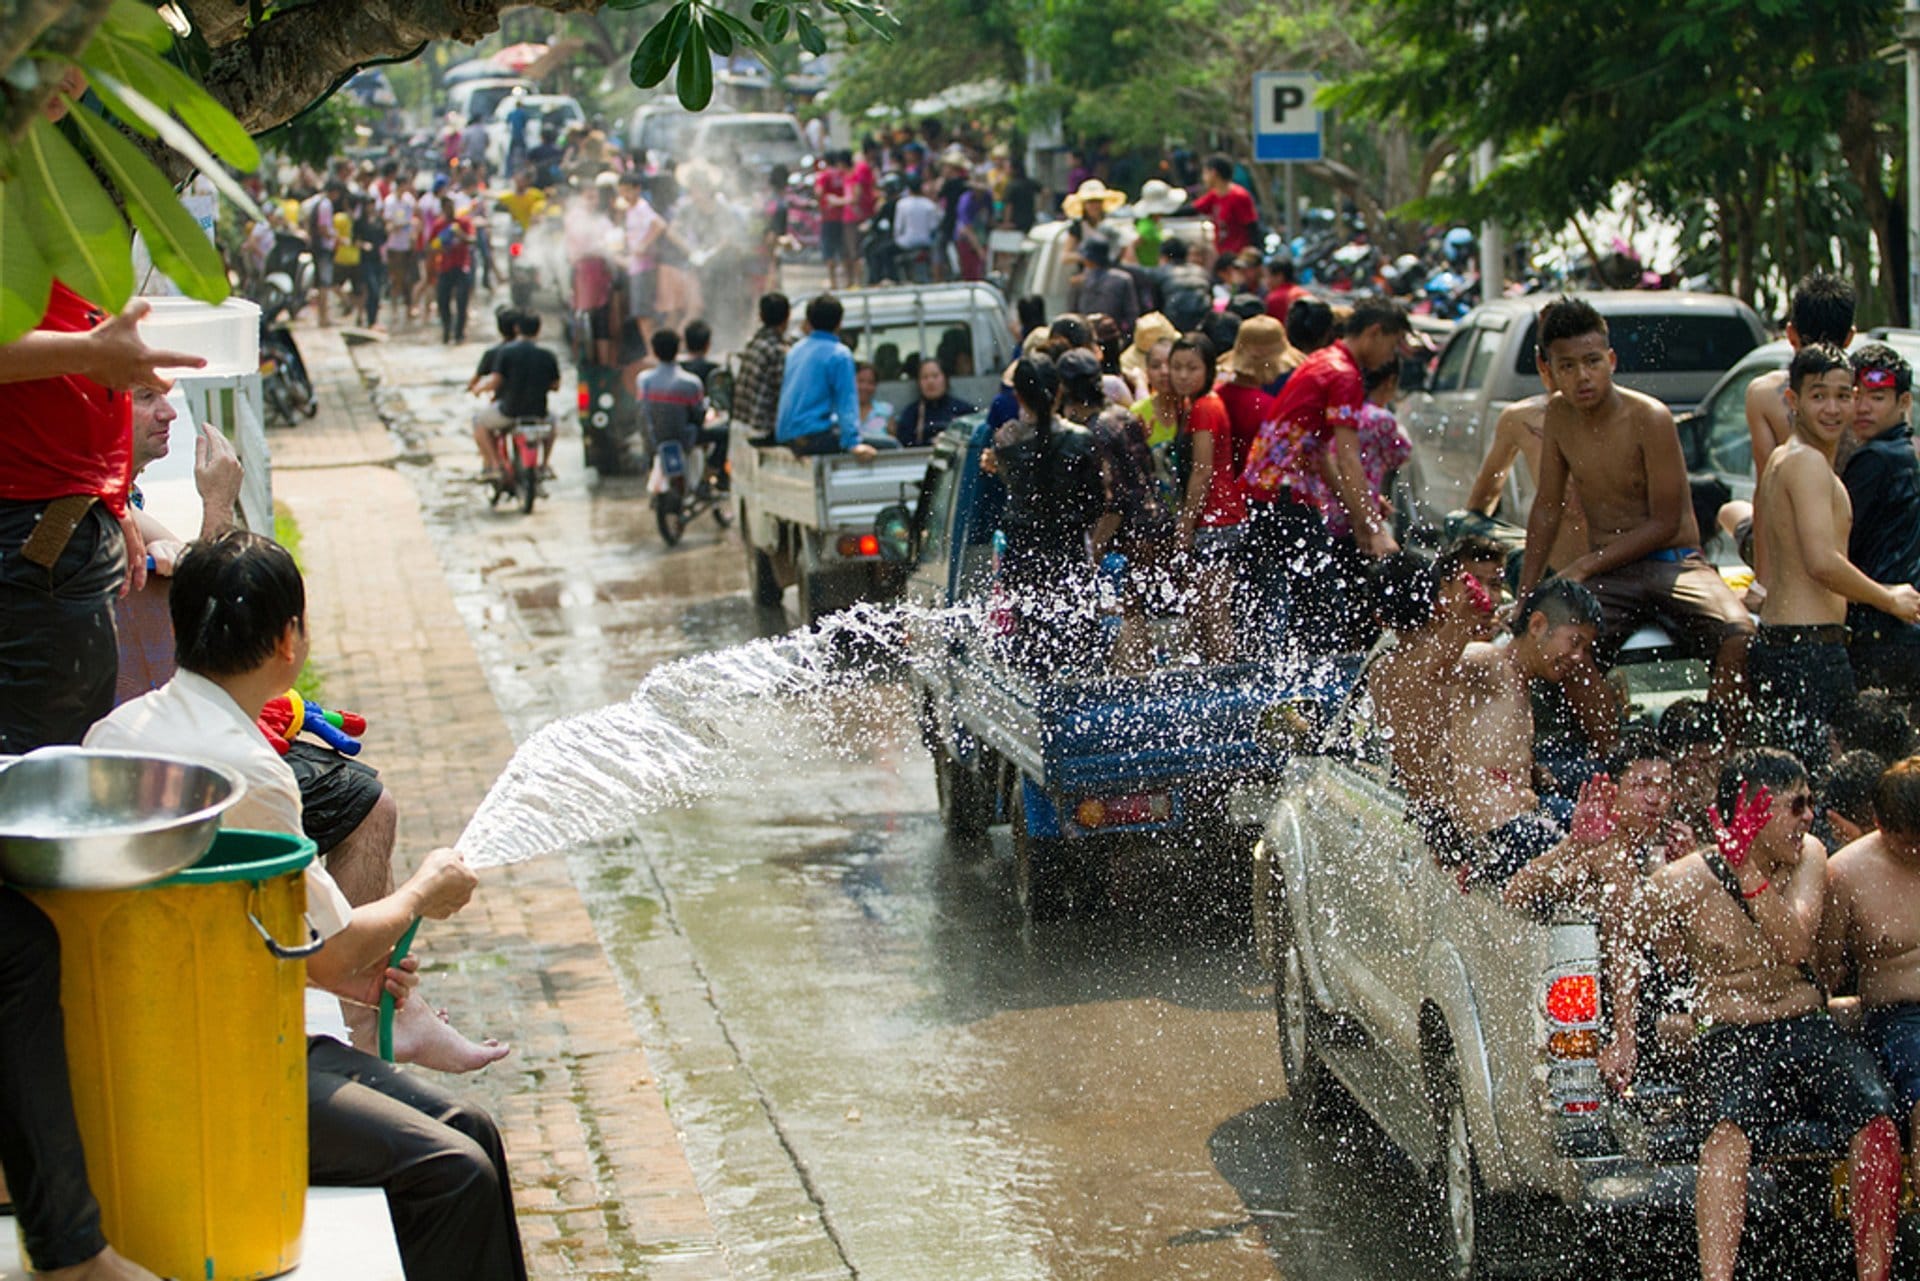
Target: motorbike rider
675,404
523,375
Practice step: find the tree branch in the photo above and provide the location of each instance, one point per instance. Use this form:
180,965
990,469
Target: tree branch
289,62
63,35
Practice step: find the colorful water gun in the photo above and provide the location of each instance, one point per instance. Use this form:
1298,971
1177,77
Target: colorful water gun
289,714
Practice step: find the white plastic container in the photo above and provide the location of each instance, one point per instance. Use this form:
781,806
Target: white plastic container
228,335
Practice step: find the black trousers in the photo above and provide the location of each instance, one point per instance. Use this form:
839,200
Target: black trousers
452,290
39,1139
58,655
440,1161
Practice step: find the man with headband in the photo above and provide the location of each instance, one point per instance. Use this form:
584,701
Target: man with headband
1883,481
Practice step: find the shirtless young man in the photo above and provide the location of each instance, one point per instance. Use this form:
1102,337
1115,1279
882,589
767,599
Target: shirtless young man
1798,666
1434,611
1620,448
1516,434
1488,747
1746,912
1870,936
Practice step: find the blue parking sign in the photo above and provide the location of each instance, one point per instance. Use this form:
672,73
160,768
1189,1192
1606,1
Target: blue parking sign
1286,123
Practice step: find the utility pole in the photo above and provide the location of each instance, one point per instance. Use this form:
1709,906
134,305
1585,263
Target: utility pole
1493,241
1910,41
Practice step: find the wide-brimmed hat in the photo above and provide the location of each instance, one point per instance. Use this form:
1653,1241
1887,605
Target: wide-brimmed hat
955,154
1150,329
1092,192
1156,197
1261,350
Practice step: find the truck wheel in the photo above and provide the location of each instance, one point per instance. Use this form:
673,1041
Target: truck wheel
1460,1201
761,578
966,801
1048,873
1309,1084
820,595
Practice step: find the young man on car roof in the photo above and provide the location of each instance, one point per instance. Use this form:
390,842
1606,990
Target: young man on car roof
1621,450
1883,483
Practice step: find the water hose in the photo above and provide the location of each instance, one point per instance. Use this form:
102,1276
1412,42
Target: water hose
386,998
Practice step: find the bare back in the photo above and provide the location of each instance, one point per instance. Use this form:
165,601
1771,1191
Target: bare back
1872,924
1402,683
1609,454
1797,475
1517,434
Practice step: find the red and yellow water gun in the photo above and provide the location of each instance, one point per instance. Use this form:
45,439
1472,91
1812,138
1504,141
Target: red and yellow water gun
288,715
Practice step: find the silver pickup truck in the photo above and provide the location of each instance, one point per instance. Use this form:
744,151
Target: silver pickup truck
1468,1032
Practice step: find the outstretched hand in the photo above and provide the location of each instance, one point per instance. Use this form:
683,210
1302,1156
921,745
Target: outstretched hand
1735,836
1592,820
1477,592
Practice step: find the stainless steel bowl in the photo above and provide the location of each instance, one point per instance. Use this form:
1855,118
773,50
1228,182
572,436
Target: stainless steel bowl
78,819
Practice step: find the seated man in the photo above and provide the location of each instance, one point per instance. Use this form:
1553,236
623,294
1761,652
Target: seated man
1883,483
1516,435
239,611
1870,936
1746,911
1488,795
490,418
524,374
1434,611
1693,736
1621,833
1799,668
819,403
344,809
1620,451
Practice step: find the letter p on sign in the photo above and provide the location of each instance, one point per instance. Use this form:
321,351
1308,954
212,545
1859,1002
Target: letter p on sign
1286,124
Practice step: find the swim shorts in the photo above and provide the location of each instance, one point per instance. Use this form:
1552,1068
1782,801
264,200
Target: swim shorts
1894,1033
1761,1075
336,792
1678,590
1801,679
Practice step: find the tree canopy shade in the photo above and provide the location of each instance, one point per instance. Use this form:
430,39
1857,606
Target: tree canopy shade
190,81
1758,122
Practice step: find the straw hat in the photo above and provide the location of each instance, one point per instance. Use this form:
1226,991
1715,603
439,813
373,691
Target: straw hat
1153,328
1092,192
1159,199
1261,351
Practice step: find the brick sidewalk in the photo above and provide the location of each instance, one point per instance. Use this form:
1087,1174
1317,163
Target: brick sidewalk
603,1185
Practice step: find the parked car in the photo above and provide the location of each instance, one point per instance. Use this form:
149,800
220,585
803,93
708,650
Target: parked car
1715,434
744,144
656,134
1673,346
546,111
476,99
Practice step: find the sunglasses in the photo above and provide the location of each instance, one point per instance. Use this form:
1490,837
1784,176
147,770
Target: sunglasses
1801,805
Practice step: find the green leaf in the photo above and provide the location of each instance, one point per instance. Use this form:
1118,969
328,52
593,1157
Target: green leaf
75,225
694,85
811,37
629,4
173,236
177,136
717,34
777,24
25,279
170,87
658,48
138,22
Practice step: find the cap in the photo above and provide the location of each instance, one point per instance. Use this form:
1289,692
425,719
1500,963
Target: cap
1078,366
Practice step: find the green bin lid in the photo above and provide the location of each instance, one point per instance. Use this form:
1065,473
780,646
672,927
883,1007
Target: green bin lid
241,855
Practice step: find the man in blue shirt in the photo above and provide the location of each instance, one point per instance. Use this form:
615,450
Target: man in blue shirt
1883,483
819,405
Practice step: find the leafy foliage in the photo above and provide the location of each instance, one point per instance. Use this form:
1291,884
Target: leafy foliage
692,31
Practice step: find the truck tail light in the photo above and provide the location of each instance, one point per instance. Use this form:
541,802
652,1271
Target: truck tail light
586,398
1574,1000
1136,810
1584,1044
513,250
866,546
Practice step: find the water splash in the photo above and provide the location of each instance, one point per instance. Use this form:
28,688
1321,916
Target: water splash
679,735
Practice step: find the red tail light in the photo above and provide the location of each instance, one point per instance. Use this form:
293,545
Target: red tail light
1136,810
869,545
1574,999
851,545
513,250
586,398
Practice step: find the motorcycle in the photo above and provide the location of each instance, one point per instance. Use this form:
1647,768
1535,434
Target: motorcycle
517,449
285,386
678,501
523,275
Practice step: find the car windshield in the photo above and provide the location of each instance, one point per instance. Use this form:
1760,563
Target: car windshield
1672,343
755,133
895,352
1729,445
664,131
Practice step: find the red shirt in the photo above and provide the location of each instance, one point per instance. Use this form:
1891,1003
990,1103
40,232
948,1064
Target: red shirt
454,253
1281,299
1233,217
1226,498
1247,409
67,435
865,198
1324,393
830,184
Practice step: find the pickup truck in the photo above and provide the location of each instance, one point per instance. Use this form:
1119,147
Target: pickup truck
1076,763
808,522
1468,1032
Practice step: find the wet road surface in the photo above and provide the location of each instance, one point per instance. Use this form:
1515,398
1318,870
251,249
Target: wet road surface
880,1072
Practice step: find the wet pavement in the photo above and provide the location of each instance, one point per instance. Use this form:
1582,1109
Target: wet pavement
878,1070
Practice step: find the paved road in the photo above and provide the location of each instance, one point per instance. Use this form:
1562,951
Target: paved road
879,1071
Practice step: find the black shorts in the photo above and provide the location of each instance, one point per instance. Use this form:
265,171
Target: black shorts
1801,679
1894,1033
336,792
833,241
1512,845
1762,1075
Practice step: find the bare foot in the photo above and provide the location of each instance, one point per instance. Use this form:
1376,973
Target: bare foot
422,1037
104,1266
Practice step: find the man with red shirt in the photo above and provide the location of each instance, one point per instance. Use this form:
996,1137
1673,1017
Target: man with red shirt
863,190
836,211
1230,207
1314,440
67,545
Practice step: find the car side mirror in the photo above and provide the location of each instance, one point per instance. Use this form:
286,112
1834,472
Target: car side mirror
893,528
1413,374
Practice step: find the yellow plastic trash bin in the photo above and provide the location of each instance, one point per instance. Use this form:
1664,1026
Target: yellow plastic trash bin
186,1041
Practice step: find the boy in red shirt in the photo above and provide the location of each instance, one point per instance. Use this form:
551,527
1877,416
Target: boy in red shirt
1229,205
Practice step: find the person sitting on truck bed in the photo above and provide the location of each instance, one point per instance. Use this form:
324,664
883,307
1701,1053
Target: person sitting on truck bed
1746,911
763,363
1620,449
1434,608
922,421
1490,801
1622,831
1870,935
819,405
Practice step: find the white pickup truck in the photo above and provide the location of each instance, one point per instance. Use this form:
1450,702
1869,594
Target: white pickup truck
1468,1032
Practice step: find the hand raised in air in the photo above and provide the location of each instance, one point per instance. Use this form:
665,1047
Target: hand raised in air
1592,820
1735,836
